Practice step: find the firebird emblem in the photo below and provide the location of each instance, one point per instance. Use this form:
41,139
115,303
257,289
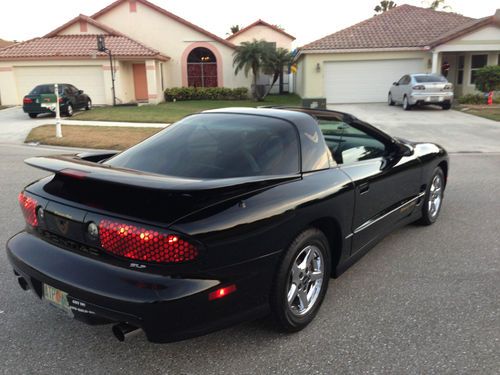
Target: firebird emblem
62,225
314,138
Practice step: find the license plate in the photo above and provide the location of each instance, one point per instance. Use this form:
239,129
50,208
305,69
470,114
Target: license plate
56,298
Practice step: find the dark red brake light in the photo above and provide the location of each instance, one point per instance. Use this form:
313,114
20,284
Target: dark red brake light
28,206
27,101
143,244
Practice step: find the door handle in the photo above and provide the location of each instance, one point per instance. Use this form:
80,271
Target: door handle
364,188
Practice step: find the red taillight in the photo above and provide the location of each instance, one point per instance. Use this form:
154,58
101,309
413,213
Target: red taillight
75,173
148,245
27,101
61,100
222,292
28,206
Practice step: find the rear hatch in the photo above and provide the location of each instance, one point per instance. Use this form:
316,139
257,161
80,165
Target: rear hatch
140,205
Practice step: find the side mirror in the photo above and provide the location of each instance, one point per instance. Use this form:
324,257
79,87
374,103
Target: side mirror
80,92
402,149
395,84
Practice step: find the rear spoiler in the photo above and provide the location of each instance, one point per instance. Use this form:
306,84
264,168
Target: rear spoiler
75,166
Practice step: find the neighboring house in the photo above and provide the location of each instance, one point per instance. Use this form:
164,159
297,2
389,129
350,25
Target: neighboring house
358,64
261,30
152,48
5,43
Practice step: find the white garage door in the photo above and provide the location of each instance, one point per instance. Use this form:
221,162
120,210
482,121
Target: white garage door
365,81
87,78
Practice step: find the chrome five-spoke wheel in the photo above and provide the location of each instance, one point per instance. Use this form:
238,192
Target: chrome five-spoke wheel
435,196
305,280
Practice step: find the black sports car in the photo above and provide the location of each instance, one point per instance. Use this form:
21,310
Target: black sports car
224,216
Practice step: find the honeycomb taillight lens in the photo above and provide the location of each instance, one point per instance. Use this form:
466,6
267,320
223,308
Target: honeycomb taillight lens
28,206
148,245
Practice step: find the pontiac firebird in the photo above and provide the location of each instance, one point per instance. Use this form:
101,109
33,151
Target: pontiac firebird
225,216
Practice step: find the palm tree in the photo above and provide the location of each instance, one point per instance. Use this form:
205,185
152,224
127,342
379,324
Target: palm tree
384,6
234,29
439,4
251,56
274,64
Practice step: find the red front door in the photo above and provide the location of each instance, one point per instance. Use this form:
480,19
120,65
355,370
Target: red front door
140,82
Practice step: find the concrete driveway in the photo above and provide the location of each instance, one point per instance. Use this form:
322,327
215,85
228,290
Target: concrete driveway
454,130
15,125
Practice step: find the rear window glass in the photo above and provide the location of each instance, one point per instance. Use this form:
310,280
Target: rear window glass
217,146
430,78
45,89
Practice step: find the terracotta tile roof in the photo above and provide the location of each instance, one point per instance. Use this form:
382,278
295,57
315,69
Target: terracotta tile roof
5,43
89,20
263,23
168,14
403,27
77,46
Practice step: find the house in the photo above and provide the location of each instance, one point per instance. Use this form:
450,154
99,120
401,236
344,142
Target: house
5,43
358,64
152,49
263,30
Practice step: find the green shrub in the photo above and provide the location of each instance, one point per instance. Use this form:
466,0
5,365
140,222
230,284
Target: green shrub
488,78
472,99
205,93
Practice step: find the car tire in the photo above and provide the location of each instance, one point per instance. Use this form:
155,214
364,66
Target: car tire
69,110
32,115
446,105
389,99
406,103
433,200
301,281
88,107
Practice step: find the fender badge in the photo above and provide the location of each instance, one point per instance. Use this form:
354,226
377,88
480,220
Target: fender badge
314,138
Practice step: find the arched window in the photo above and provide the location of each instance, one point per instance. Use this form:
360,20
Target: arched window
201,68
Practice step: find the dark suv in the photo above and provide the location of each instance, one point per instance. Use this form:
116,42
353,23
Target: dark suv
42,98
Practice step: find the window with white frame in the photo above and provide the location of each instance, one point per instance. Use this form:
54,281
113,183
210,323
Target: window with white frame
477,62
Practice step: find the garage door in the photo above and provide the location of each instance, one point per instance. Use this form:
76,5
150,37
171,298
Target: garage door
365,81
87,78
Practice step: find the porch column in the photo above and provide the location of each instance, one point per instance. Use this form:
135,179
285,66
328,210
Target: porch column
152,81
435,60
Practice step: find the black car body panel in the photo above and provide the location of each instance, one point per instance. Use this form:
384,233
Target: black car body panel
241,226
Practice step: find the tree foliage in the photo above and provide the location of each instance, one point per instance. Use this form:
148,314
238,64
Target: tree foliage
234,29
438,5
259,57
488,78
384,6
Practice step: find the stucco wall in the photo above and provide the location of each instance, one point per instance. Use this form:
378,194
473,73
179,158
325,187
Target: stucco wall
313,81
263,32
75,29
171,38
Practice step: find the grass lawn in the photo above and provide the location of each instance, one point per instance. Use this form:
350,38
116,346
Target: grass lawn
170,112
491,112
105,137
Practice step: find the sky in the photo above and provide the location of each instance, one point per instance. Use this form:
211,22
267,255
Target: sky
306,20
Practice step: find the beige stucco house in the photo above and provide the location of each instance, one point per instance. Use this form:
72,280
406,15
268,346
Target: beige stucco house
152,49
358,64
262,30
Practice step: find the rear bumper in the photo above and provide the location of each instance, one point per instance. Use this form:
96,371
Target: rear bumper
430,98
167,308
37,108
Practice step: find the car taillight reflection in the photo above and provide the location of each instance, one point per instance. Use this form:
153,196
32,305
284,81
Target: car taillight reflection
144,244
28,207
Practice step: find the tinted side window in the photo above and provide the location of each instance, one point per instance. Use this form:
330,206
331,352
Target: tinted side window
404,80
356,145
217,146
332,132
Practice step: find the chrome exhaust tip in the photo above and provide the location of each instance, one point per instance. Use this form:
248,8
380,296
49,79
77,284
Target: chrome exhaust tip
124,330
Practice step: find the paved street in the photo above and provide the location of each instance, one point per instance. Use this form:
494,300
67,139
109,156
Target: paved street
454,130
424,301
